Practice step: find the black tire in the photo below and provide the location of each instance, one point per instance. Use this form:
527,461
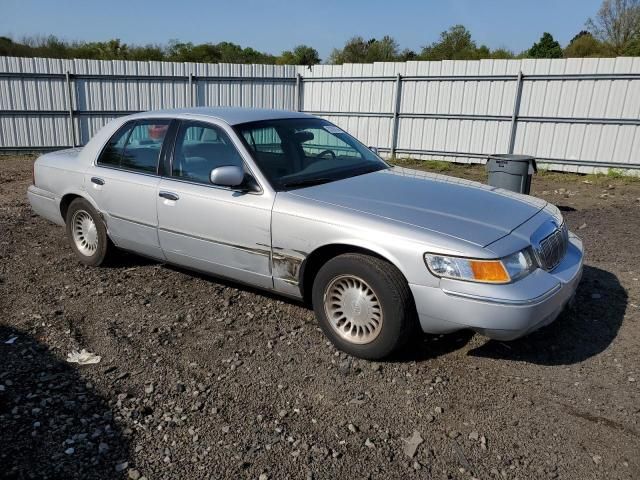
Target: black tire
399,317
104,248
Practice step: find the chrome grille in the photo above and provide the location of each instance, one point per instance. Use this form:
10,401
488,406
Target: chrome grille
552,248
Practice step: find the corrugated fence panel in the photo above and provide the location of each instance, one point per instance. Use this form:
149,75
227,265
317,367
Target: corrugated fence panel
574,114
597,117
34,94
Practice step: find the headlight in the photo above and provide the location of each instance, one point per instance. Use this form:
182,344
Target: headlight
503,270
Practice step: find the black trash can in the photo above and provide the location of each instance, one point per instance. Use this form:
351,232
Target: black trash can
511,172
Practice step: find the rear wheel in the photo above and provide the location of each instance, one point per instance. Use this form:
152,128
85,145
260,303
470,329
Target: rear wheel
87,233
364,305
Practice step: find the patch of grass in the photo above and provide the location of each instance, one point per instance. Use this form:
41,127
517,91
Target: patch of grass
431,165
615,173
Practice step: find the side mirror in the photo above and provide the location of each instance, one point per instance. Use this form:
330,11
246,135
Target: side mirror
227,176
374,150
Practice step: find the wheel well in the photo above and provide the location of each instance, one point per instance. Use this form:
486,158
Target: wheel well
319,257
65,202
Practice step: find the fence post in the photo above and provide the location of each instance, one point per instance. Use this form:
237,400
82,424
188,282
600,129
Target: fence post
298,93
396,117
72,127
516,112
192,98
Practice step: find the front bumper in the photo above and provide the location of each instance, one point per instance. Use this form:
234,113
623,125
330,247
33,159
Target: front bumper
502,312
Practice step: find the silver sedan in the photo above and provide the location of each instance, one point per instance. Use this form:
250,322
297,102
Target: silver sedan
291,203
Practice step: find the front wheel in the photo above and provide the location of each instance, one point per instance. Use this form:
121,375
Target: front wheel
364,305
87,233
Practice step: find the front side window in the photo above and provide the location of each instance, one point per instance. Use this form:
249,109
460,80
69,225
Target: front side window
299,152
136,146
200,149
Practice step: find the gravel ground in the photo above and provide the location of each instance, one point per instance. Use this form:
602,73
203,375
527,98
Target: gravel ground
204,379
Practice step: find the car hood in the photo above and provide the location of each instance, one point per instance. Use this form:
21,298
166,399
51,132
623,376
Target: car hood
463,209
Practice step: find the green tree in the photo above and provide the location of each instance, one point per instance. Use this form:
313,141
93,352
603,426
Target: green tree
301,55
9,48
354,51
454,44
617,24
406,55
359,50
546,47
383,50
633,48
585,45
457,44
502,54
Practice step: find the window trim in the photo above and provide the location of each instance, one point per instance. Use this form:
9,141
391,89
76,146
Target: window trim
180,122
127,125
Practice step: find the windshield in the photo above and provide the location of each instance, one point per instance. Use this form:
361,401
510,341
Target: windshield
299,152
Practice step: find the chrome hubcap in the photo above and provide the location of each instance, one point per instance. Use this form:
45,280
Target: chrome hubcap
353,309
85,233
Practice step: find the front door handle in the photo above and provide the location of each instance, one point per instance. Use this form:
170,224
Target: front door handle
169,196
97,180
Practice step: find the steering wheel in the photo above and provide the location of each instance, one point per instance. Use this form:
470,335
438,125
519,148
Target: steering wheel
324,152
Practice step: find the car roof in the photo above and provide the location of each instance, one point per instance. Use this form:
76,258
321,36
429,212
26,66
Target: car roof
230,115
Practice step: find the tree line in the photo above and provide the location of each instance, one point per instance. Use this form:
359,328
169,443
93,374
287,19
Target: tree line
614,31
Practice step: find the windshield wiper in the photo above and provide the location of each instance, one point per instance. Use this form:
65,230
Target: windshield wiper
307,182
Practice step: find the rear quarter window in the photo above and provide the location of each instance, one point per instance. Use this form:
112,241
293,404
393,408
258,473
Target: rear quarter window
136,146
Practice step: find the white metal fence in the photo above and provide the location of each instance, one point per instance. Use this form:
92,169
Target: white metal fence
49,103
574,114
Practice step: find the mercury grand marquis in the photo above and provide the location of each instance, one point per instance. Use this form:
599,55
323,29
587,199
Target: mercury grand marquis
291,203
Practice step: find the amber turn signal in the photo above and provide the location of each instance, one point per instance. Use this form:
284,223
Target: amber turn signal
489,271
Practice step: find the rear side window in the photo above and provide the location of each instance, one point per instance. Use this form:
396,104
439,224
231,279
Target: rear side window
136,146
201,148
113,151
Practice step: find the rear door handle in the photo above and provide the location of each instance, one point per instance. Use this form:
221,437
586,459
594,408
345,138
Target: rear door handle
97,180
169,196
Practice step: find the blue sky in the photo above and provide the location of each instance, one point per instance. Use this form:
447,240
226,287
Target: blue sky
276,25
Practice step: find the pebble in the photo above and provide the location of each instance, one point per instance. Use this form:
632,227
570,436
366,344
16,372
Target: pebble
411,444
70,451
121,467
344,367
369,444
134,474
438,410
474,436
263,476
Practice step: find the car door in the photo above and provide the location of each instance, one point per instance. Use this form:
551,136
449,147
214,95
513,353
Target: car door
214,229
124,184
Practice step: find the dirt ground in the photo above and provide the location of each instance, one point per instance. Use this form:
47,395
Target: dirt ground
204,379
